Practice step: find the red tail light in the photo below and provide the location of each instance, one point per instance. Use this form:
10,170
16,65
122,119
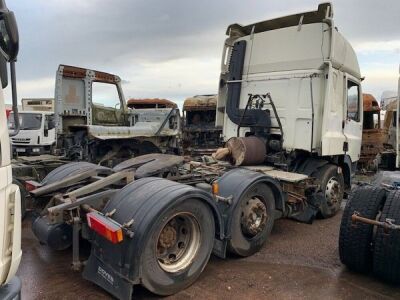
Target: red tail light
31,185
105,227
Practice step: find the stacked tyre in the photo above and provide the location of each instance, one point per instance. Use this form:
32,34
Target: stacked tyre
368,248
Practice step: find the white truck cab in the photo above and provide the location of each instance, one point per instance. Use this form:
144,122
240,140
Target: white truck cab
37,134
10,197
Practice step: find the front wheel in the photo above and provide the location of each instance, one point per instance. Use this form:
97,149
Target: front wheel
178,247
331,183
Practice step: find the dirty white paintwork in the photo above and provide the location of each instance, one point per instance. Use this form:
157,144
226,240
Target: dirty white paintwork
10,207
304,68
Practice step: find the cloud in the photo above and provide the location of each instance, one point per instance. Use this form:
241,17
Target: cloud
173,46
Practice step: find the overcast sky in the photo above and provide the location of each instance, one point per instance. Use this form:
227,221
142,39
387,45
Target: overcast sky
171,48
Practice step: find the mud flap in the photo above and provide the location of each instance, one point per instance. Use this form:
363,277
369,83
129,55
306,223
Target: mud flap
311,210
105,277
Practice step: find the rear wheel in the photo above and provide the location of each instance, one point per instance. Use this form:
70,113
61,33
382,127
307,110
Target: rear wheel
355,239
178,247
387,244
252,220
332,186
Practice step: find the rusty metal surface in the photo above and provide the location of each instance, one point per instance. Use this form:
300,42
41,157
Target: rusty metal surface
370,103
201,102
76,72
151,103
247,150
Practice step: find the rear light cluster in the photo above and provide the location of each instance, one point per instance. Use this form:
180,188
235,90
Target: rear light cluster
105,227
31,185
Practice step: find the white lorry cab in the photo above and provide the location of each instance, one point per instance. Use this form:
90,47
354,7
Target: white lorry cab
37,134
10,198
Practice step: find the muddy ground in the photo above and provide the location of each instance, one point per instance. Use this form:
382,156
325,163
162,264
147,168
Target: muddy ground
299,261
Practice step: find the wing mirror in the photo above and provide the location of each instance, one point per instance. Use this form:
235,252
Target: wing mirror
9,45
9,40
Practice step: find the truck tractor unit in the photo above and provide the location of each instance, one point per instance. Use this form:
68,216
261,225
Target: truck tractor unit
10,204
293,85
200,136
286,89
93,122
37,133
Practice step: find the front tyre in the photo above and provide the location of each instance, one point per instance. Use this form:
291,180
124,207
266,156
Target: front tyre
331,182
178,247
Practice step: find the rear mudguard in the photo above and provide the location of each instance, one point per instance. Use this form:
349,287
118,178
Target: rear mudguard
235,183
116,267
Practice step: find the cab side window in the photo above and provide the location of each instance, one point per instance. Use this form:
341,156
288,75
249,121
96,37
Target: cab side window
353,101
50,121
105,95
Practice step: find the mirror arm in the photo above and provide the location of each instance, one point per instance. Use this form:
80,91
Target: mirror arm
14,99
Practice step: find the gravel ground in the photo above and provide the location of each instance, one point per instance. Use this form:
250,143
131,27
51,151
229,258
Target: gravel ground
300,261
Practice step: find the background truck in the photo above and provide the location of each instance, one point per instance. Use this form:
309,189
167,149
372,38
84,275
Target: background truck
200,136
155,219
10,215
374,136
94,124
37,133
38,104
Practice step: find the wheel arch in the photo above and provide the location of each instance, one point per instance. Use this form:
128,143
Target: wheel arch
134,202
236,182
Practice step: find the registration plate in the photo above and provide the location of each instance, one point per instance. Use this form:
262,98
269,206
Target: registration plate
21,150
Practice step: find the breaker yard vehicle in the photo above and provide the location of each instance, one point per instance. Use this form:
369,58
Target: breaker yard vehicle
93,122
290,108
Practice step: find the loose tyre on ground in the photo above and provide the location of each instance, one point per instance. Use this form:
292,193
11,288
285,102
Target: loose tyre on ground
332,185
252,220
387,244
355,239
70,169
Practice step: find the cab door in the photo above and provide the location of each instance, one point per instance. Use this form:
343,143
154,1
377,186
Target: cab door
107,105
352,124
49,131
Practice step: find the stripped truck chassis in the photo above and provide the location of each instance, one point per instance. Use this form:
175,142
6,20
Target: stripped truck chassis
219,185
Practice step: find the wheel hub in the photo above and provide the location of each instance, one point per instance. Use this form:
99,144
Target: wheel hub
254,217
332,192
167,237
178,242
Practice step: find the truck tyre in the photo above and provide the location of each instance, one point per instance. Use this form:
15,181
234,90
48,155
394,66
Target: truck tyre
178,247
23,196
387,244
70,169
355,239
332,187
252,220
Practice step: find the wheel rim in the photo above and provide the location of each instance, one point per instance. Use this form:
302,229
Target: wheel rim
253,217
333,192
178,242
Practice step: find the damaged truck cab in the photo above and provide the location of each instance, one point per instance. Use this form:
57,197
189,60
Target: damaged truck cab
94,124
